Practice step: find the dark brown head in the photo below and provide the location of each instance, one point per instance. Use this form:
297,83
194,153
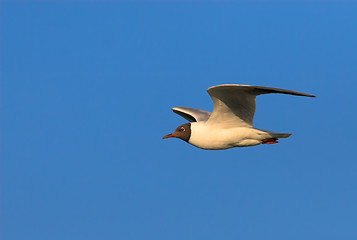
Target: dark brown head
183,132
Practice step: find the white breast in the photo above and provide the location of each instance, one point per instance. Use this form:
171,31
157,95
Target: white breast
210,137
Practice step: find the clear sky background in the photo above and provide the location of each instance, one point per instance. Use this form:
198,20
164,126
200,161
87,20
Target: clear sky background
86,92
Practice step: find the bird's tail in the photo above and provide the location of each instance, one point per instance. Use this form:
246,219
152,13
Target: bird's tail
280,135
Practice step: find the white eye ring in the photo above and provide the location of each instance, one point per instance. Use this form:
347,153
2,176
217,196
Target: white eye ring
182,129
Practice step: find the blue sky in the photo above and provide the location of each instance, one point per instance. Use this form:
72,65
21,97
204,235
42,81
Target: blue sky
86,92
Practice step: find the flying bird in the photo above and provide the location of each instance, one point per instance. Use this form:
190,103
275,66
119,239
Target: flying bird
230,124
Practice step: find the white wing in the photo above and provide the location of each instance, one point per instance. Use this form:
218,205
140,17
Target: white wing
192,114
234,105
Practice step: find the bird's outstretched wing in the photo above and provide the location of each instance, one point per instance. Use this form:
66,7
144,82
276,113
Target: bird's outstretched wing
192,114
234,105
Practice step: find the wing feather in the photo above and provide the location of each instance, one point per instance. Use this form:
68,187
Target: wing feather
192,114
234,105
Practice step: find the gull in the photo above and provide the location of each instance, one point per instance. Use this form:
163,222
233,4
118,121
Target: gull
230,124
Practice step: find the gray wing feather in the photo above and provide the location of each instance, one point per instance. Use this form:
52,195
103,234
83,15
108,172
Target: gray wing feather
192,114
234,105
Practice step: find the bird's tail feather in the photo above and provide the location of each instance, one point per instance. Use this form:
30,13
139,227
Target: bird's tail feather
281,135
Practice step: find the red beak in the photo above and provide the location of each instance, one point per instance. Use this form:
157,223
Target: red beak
168,136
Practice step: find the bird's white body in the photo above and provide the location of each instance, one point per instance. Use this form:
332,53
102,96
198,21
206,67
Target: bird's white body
211,137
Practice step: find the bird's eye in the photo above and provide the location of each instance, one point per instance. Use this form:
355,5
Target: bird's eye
182,129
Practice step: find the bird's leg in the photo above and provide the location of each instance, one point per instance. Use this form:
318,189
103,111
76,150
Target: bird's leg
269,141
